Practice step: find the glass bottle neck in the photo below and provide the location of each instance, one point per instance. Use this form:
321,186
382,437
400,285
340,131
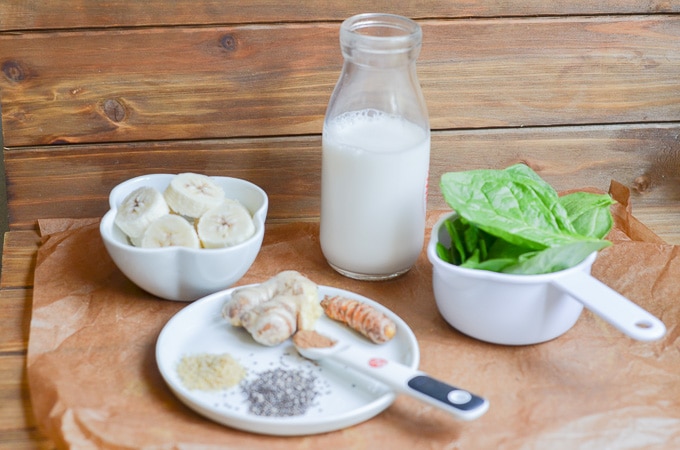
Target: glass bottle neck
380,40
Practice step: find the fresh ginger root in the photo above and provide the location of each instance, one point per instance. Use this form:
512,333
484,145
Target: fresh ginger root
270,323
275,309
361,317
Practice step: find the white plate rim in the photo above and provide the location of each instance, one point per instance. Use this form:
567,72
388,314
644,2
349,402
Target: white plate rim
280,426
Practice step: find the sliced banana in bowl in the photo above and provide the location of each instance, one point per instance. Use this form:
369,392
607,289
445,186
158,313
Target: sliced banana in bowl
139,209
170,230
193,211
184,260
192,194
227,224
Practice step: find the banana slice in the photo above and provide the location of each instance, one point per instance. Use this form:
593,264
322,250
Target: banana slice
228,224
141,207
169,231
192,194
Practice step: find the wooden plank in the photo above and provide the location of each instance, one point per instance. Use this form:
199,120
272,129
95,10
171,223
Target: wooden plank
218,82
17,425
537,72
128,85
25,439
15,315
74,181
37,15
73,14
13,392
18,259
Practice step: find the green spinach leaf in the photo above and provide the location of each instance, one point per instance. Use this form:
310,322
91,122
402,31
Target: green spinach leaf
513,221
589,213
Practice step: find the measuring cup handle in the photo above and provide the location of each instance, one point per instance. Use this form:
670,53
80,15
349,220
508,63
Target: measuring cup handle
613,307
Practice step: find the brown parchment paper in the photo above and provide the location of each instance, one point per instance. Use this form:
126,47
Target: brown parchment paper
94,382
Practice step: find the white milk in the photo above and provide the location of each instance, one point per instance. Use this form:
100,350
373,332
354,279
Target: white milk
373,193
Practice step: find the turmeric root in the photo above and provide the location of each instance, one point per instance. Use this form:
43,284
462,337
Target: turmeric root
361,317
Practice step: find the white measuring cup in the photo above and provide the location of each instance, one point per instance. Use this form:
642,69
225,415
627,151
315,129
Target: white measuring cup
528,309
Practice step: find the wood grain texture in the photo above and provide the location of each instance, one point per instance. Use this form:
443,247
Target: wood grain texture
17,425
275,80
18,259
74,181
12,387
14,303
73,14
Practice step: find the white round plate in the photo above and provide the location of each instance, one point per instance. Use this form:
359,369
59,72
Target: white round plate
345,398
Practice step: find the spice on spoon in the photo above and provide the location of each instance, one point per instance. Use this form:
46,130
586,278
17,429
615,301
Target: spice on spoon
312,339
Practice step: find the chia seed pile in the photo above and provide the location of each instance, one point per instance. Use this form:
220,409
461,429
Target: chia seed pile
280,393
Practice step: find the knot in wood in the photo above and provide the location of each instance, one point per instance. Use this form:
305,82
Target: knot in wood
228,42
642,183
114,110
13,71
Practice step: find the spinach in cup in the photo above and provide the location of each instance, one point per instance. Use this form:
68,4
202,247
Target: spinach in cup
512,221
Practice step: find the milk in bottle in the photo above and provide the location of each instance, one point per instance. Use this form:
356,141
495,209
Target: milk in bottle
375,152
374,178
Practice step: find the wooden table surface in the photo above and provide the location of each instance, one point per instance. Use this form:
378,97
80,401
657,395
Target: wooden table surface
95,92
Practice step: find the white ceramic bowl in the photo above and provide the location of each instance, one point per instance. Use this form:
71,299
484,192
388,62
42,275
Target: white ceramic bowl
502,308
179,273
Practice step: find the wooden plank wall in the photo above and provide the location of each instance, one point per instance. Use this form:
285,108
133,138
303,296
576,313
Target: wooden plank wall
94,92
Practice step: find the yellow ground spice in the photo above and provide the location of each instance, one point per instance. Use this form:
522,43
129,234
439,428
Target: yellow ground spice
210,372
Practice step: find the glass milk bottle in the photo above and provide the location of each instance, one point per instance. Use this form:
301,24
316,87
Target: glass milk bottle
376,151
